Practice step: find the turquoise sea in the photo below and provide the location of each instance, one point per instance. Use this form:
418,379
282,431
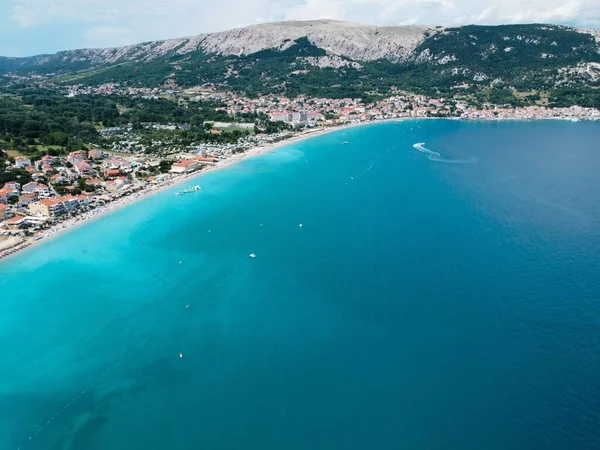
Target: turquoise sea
439,297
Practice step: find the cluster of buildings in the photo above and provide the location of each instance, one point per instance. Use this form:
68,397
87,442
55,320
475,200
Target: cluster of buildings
115,88
55,189
33,204
305,111
191,162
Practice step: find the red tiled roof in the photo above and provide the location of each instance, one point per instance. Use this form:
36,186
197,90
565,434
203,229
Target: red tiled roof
50,201
185,163
66,198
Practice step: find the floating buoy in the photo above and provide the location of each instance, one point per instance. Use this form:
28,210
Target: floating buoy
300,225
180,262
187,306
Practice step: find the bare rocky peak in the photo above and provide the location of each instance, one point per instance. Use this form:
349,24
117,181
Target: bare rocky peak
355,41
338,39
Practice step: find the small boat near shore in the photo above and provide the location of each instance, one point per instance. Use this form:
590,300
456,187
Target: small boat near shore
188,190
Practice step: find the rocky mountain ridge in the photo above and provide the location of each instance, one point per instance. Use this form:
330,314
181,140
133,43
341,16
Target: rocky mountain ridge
332,58
350,40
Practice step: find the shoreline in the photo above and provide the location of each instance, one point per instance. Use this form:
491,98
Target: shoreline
104,210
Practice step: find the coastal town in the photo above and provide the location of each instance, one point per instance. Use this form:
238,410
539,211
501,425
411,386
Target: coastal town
304,111
56,191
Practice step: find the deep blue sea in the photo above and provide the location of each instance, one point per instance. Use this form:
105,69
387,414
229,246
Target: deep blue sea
426,302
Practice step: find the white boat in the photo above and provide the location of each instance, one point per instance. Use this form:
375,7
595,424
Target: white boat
345,142
252,255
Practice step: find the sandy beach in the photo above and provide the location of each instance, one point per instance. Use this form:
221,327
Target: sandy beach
113,206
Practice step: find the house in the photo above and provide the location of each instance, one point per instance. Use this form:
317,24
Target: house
38,188
31,187
37,176
27,198
126,166
49,207
96,182
75,157
113,163
206,160
112,173
116,184
3,211
280,116
58,179
21,162
213,131
13,187
5,194
83,168
13,223
83,200
185,166
48,159
70,202
95,154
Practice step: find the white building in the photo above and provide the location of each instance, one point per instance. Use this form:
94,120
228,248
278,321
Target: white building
184,166
21,161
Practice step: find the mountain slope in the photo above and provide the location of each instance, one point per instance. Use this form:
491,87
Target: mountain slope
334,58
360,42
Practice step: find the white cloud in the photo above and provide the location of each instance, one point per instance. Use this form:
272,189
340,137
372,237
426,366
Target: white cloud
23,15
115,22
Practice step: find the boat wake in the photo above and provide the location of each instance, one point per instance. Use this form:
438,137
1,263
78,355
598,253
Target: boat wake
438,157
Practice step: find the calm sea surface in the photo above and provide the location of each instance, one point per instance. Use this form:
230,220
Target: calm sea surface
426,302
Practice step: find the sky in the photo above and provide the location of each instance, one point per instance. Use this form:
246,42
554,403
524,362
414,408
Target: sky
29,27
